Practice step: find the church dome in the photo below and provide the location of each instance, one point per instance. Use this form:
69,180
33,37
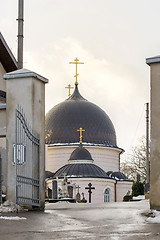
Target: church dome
80,154
63,120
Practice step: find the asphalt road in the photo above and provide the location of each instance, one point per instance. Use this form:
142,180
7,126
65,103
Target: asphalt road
70,221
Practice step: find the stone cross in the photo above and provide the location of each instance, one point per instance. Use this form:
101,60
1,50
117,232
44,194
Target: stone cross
89,190
78,187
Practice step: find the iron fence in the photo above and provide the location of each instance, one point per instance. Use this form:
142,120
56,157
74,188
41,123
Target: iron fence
26,158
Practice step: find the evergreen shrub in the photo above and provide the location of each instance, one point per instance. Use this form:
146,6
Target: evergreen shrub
137,189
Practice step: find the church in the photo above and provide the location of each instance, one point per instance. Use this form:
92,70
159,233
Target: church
82,159
82,156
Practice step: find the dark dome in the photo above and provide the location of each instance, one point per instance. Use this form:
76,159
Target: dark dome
80,154
81,170
63,120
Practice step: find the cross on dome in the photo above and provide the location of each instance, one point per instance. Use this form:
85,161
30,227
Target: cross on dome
76,62
80,132
69,88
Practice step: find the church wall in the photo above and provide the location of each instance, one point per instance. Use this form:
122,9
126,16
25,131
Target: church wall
2,81
122,188
97,193
58,157
106,158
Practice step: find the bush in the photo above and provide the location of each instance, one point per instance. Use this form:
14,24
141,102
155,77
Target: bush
137,189
127,198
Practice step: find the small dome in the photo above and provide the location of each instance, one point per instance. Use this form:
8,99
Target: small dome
80,154
81,170
63,120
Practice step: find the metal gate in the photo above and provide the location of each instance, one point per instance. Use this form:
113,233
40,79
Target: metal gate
0,180
27,162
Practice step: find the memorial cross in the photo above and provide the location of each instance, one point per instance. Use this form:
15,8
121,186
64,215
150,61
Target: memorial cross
89,190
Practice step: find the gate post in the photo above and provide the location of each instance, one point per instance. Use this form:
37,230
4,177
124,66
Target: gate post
154,64
27,89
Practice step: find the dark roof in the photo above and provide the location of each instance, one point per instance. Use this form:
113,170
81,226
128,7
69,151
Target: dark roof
80,153
48,174
79,170
117,175
6,57
63,120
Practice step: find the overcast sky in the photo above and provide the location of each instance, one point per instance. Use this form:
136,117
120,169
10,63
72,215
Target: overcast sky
113,39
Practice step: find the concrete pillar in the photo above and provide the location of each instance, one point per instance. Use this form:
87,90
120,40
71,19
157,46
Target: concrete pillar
27,89
154,64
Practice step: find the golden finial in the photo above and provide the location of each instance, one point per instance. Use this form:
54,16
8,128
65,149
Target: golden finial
80,137
69,88
76,62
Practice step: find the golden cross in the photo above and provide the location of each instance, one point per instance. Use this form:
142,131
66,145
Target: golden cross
76,62
69,87
80,130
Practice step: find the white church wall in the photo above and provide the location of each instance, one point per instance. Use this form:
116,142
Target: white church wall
97,193
58,157
122,189
106,158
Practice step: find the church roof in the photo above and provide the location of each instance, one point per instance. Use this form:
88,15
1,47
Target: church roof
80,153
63,120
117,176
80,170
6,57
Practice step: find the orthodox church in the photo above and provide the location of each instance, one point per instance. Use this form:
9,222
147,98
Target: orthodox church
82,156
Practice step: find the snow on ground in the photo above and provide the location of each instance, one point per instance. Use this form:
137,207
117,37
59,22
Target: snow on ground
155,217
12,218
9,207
139,197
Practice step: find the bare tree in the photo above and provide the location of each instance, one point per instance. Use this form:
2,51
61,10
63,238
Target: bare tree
136,162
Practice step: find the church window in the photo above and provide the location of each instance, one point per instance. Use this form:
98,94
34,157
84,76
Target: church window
107,195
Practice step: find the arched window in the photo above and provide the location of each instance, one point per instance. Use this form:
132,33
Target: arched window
107,195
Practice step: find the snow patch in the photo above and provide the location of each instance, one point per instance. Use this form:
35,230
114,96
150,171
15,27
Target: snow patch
155,217
12,218
9,207
139,197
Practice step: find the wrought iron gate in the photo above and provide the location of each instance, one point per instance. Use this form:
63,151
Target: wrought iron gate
0,180
27,162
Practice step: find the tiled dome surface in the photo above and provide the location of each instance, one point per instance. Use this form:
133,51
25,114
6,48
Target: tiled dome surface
81,170
63,120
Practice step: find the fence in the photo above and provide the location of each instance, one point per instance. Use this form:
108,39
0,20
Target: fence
26,159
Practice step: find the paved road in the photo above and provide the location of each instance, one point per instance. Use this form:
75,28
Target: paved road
69,221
